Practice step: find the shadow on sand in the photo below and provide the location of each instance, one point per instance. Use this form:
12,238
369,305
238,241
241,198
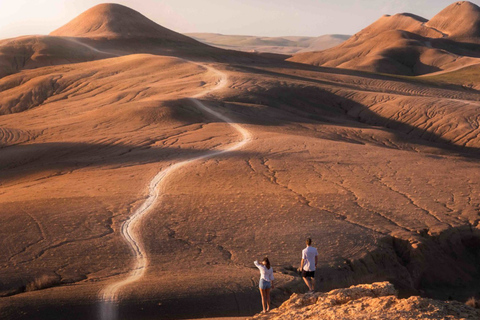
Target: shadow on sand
241,304
20,160
314,105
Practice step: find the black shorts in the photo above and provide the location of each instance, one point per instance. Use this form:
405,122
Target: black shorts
308,274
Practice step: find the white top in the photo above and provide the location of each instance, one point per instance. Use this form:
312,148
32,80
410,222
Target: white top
265,274
308,255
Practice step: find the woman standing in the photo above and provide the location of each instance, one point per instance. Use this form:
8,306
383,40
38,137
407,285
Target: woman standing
266,282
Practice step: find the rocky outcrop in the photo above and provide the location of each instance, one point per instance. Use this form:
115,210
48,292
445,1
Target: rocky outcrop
367,301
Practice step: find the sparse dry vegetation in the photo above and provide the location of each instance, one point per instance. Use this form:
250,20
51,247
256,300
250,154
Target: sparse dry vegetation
474,303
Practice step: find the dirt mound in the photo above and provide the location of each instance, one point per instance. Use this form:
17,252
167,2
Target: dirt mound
407,44
116,21
459,20
402,21
368,301
394,51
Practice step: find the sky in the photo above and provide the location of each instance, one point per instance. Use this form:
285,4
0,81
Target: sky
240,17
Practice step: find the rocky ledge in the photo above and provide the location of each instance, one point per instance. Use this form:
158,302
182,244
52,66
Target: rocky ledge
367,301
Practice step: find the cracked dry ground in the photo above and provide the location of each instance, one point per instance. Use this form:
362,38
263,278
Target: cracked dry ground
382,173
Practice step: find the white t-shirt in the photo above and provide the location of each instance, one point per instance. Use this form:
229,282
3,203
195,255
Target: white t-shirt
265,274
308,255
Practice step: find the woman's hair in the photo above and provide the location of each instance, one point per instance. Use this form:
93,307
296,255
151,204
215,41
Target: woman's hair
267,262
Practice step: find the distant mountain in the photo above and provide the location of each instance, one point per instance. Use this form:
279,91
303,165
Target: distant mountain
407,44
326,42
280,45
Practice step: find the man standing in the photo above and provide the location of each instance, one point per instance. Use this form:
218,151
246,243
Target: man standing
309,264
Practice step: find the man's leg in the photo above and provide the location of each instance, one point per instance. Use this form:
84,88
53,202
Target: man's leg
307,282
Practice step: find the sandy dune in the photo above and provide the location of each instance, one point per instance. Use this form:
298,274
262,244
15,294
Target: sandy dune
406,44
381,171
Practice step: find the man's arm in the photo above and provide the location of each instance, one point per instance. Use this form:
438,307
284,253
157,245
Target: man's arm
301,264
316,261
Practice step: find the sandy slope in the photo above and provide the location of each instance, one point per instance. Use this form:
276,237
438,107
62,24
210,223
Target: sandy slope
460,20
131,230
38,51
305,172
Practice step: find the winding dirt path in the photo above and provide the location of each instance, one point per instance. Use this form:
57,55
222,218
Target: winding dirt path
130,229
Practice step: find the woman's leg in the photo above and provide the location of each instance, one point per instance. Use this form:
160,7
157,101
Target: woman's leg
264,303
267,296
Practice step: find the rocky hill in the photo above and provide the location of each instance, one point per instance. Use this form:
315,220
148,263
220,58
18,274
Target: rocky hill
367,301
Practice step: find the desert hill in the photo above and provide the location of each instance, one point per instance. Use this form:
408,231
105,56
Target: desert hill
401,21
116,21
460,20
105,31
280,45
120,28
406,44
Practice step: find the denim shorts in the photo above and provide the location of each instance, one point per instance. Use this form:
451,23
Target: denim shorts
264,284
